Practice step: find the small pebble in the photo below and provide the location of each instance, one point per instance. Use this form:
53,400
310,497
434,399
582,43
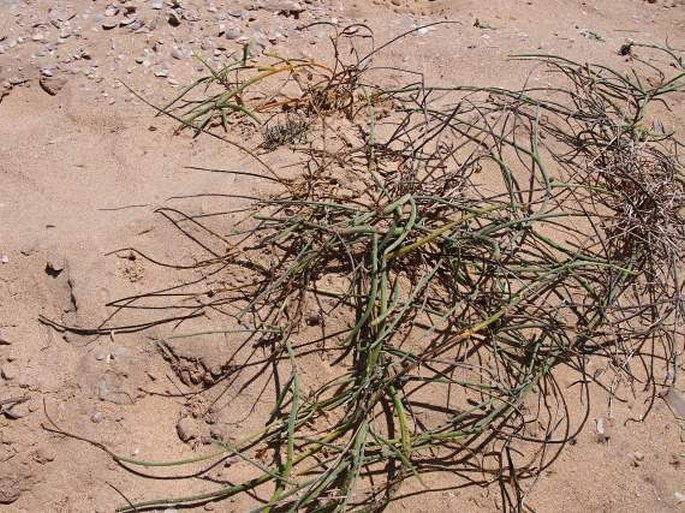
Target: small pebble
173,20
287,7
602,431
8,373
232,34
177,53
17,411
52,86
101,354
637,458
44,455
184,429
127,20
55,263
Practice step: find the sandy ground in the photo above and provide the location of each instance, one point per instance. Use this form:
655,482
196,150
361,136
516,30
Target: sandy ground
83,164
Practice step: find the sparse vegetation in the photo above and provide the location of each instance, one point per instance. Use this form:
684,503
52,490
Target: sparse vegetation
443,252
